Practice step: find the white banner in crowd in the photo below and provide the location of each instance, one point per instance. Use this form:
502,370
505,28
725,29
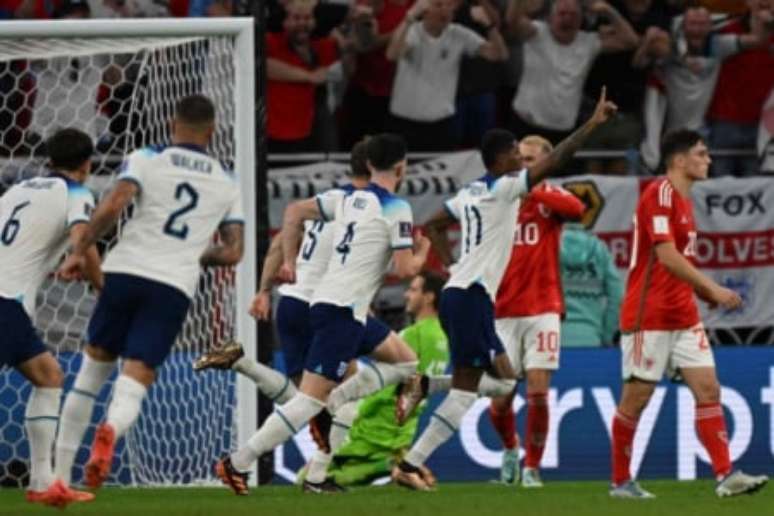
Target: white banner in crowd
735,218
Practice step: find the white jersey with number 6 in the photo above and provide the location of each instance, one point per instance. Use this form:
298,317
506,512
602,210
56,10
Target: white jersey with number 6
486,209
184,196
369,225
35,219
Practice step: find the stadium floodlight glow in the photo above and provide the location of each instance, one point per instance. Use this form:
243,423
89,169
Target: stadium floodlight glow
118,80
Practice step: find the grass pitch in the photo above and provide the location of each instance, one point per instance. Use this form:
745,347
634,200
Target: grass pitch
471,499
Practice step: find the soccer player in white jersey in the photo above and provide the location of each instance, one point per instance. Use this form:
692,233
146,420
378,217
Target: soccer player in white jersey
486,210
38,217
372,226
182,196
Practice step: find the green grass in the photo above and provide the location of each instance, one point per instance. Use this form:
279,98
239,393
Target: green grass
557,498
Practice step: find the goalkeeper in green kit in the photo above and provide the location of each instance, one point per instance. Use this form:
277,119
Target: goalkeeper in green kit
376,441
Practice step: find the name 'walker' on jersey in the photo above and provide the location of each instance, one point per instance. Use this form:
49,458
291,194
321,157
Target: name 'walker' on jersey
486,209
35,218
184,196
368,225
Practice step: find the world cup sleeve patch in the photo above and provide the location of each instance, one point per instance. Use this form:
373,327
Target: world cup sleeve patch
405,229
660,225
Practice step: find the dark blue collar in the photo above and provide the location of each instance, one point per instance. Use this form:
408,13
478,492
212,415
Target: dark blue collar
63,177
488,179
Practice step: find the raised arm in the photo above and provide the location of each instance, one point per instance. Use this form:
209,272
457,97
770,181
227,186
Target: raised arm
562,203
517,21
494,49
397,46
619,35
565,150
437,231
230,249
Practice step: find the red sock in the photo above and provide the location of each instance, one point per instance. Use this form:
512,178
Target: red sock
505,425
537,429
623,437
711,429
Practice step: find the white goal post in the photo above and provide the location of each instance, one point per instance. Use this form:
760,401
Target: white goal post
118,80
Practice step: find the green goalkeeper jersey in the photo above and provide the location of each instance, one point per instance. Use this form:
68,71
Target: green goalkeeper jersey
375,436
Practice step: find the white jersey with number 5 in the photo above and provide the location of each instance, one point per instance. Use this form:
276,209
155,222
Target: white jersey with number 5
313,257
369,225
184,196
486,209
35,220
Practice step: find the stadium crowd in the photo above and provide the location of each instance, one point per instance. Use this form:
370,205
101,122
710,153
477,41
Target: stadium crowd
442,72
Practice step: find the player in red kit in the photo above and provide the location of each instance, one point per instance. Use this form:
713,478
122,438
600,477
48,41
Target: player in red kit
528,309
660,325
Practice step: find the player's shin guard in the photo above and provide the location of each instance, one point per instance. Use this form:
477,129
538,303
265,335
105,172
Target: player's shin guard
278,428
504,424
537,429
443,424
40,420
711,429
369,378
76,413
124,409
493,387
271,383
624,428
342,422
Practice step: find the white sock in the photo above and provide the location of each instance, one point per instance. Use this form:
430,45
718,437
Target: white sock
285,422
76,413
270,382
493,387
443,423
125,406
40,420
342,422
439,383
318,466
370,377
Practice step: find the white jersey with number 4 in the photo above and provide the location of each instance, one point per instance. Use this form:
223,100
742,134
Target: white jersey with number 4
369,225
184,196
35,220
313,257
487,210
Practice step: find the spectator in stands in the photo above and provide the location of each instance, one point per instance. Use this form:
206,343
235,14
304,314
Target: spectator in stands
210,8
724,6
131,8
479,78
298,68
557,59
27,9
625,79
744,83
592,289
367,101
429,56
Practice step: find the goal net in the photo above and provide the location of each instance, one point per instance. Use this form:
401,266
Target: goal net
119,81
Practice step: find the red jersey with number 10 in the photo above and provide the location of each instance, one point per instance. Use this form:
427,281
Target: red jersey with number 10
655,299
532,283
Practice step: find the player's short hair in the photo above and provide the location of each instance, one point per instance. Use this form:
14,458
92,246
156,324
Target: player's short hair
538,141
358,159
195,110
432,283
69,148
676,142
494,143
385,150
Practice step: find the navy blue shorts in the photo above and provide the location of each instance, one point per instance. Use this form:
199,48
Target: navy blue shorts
375,333
337,338
467,317
295,332
137,318
19,341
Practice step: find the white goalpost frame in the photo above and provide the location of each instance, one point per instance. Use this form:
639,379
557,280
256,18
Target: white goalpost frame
241,28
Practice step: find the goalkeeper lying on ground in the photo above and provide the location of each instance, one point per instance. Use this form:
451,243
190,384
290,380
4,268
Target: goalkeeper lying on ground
376,442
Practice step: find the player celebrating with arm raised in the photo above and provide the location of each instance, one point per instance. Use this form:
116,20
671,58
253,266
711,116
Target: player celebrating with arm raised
182,196
38,217
372,227
487,210
528,309
660,325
